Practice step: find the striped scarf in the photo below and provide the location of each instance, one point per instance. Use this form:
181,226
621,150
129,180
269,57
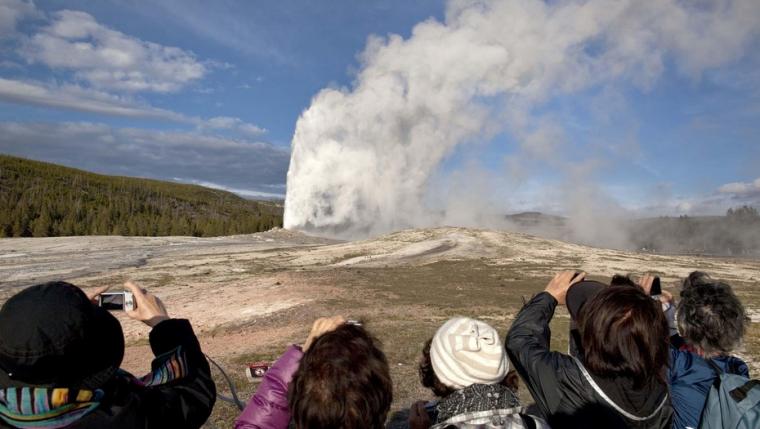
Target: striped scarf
57,407
43,407
476,398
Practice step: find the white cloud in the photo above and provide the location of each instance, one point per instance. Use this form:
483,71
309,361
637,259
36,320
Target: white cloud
232,123
75,97
13,11
741,188
105,60
716,202
235,164
109,59
249,193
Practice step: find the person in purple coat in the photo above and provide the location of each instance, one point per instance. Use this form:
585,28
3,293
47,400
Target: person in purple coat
339,378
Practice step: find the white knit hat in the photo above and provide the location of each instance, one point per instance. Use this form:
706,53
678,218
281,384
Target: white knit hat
466,351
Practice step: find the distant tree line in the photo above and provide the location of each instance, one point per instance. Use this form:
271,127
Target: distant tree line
737,233
46,200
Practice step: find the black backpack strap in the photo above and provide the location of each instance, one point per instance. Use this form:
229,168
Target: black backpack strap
718,372
714,366
740,393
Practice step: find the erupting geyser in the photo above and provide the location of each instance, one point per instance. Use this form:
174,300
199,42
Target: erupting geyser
362,158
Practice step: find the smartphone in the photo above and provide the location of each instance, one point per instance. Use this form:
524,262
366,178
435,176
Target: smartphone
118,301
656,288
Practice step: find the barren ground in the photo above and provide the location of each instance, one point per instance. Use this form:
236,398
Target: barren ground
250,296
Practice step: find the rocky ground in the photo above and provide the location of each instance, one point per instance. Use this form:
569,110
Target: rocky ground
249,296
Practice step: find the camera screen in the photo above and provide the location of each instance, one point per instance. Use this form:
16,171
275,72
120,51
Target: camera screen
112,301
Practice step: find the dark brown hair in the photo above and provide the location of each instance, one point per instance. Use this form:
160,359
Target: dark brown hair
343,382
427,375
621,280
624,333
431,381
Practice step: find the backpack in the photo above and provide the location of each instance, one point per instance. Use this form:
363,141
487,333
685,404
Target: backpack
733,402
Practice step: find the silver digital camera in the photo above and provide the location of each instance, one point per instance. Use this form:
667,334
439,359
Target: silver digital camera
117,301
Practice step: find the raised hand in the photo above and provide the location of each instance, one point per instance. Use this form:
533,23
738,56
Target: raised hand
148,308
93,294
322,326
646,283
561,282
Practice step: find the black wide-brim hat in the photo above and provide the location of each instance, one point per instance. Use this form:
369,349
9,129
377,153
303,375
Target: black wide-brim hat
52,335
579,293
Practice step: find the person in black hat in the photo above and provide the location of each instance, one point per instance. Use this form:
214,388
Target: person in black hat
59,365
577,295
619,382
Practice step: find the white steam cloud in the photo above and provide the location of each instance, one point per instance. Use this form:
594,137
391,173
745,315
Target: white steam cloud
363,158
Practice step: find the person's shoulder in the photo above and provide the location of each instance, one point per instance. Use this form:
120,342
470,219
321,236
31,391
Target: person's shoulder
571,373
733,365
680,358
686,364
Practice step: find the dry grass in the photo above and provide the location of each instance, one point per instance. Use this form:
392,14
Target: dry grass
403,306
249,297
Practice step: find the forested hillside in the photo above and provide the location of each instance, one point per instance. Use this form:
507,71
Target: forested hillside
38,199
735,234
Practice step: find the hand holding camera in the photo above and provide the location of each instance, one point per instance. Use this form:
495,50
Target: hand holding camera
148,308
651,285
138,303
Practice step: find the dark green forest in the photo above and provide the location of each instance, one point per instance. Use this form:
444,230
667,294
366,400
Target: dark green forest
39,199
735,234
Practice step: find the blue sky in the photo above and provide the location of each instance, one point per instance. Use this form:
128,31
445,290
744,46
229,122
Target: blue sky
186,91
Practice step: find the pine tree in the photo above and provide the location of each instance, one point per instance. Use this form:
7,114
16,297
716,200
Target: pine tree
41,227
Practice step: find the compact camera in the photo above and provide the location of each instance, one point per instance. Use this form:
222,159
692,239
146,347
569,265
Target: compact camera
656,288
118,301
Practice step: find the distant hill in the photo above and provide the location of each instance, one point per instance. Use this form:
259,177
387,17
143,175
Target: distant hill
535,218
735,234
39,199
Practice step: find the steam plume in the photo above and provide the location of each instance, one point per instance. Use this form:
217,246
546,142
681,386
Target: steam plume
363,157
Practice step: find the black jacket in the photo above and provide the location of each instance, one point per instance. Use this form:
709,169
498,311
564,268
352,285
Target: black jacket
563,393
180,394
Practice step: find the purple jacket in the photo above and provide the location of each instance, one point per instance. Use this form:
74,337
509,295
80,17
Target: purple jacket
268,408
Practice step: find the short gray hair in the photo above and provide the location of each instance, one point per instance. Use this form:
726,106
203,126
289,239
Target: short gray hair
711,317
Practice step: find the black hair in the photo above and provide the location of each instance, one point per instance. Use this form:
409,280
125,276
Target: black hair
621,280
427,375
696,278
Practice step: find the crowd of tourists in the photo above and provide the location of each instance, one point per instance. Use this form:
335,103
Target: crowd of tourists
635,359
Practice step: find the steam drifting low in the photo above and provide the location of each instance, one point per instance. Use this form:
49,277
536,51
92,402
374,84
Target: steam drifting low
363,157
